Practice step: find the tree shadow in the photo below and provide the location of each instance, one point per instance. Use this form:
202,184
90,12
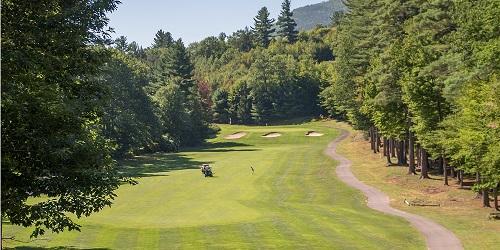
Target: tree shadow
159,164
222,147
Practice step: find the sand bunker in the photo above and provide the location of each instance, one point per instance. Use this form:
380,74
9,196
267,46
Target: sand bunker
234,136
313,133
272,135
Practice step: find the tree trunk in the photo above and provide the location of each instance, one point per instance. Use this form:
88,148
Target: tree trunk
393,151
419,156
461,178
403,153
453,174
478,180
378,142
384,146
372,141
445,171
495,197
425,165
486,198
411,152
387,153
398,155
375,149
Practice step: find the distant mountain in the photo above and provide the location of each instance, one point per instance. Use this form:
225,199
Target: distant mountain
309,16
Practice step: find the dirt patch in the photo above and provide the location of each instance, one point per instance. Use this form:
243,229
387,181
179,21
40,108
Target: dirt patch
313,133
272,135
234,136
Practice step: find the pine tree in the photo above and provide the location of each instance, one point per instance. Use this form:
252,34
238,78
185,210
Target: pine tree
286,23
263,28
121,44
163,39
220,106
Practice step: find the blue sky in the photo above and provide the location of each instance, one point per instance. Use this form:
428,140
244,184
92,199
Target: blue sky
191,20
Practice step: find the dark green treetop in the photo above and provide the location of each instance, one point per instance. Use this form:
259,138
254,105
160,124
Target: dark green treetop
163,39
263,28
286,24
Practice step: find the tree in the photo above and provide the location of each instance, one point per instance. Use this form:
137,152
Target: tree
121,44
129,119
423,80
240,103
209,47
353,50
170,62
286,23
263,28
52,144
185,121
220,105
163,39
241,40
337,17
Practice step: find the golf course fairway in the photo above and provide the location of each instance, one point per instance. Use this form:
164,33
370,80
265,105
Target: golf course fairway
292,200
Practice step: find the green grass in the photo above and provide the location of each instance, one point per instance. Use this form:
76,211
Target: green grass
459,211
293,200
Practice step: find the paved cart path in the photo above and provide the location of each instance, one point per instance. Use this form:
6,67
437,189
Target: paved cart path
437,237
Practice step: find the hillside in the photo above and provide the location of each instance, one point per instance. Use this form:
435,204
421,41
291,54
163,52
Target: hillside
309,16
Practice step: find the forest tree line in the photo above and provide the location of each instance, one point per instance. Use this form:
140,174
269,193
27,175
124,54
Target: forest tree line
421,77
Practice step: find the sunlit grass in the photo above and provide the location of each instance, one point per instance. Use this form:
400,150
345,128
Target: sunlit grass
293,200
459,211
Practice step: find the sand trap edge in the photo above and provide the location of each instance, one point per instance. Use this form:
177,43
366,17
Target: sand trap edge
314,134
271,135
235,136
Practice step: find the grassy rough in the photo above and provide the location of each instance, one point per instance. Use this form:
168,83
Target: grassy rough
293,200
459,210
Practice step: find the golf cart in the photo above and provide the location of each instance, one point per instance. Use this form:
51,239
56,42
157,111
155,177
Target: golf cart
207,170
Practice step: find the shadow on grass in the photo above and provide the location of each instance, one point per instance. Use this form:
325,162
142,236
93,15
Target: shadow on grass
159,164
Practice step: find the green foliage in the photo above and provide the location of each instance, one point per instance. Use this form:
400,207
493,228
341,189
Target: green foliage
423,66
241,40
265,84
129,119
176,96
240,103
471,136
220,106
263,28
286,24
163,40
52,145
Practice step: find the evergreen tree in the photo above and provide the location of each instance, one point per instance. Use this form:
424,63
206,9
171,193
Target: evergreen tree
286,24
263,28
121,44
220,106
163,39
